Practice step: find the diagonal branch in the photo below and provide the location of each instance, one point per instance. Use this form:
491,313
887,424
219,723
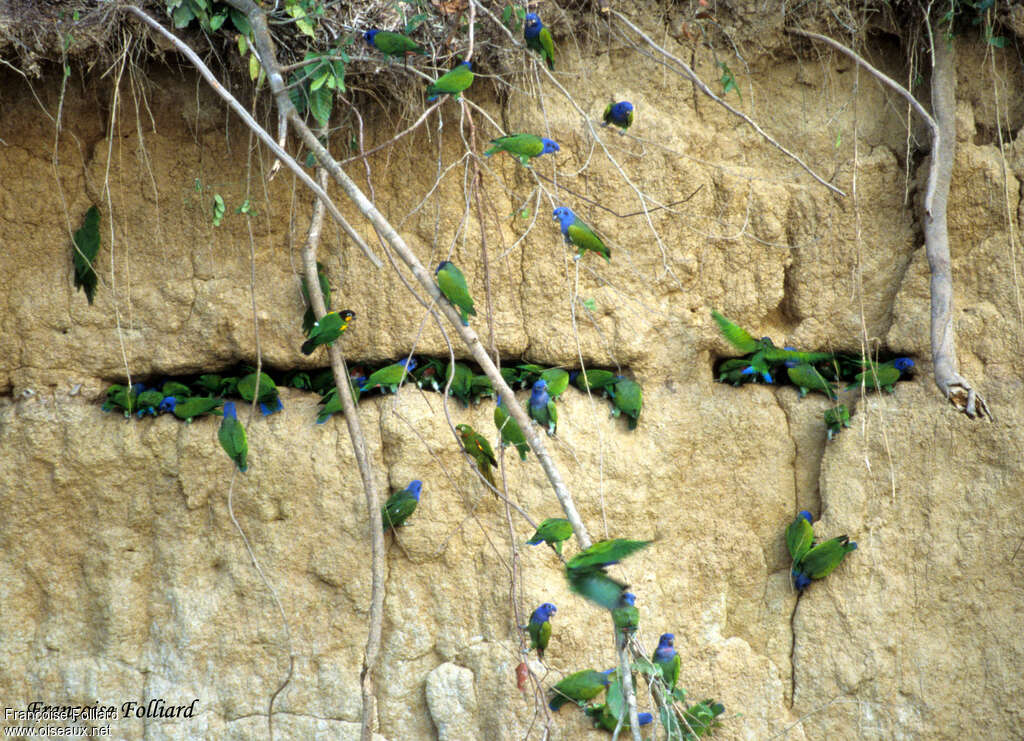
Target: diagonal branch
740,114
266,138
954,387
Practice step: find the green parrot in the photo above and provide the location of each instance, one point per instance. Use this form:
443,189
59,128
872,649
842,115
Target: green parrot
701,718
452,283
511,433
626,617
594,380
807,378
732,371
620,114
208,383
539,39
429,374
266,397
799,536
557,381
462,382
327,329
148,401
882,375
309,319
390,376
479,450
628,398
836,419
192,407
821,560
542,407
391,43
523,147
330,402
553,531
578,687
400,505
479,387
87,245
586,570
579,234
451,83
174,388
539,628
667,659
614,710
232,437
123,397
763,351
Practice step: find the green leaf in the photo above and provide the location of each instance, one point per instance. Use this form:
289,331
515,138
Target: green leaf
616,703
182,16
319,81
301,21
645,666
197,185
243,45
297,93
997,41
525,213
245,208
218,20
218,209
310,160
87,244
728,80
589,304
415,22
254,67
506,15
240,21
320,103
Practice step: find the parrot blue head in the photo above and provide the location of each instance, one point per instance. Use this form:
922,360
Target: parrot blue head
629,598
229,409
533,25
543,613
644,718
441,266
550,146
665,650
168,404
540,393
138,388
621,111
607,676
266,410
806,515
409,364
468,65
370,35
791,363
413,488
564,216
903,364
800,581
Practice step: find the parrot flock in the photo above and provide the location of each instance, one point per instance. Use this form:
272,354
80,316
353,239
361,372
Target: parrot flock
823,372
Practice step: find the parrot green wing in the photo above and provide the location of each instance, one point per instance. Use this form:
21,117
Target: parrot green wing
557,380
737,336
452,283
605,552
540,636
452,82
389,375
232,438
807,378
511,433
776,355
577,687
627,620
670,671
552,530
822,559
196,406
628,397
267,389
883,377
87,245
396,44
552,417
149,400
397,509
584,237
547,48
520,145
799,536
595,380
462,381
176,389
596,586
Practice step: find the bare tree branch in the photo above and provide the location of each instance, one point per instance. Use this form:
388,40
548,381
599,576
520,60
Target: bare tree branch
740,114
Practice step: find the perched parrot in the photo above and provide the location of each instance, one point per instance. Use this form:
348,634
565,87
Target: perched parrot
579,234
452,283
400,505
540,628
579,687
511,432
594,380
821,560
191,407
763,352
524,147
87,244
266,396
123,397
148,402
799,536
330,402
330,327
391,43
461,381
620,114
628,398
603,717
479,450
208,383
232,437
542,408
479,387
667,659
586,570
174,388
538,38
552,531
882,375
807,378
626,618
836,419
451,83
390,376
557,381
309,319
